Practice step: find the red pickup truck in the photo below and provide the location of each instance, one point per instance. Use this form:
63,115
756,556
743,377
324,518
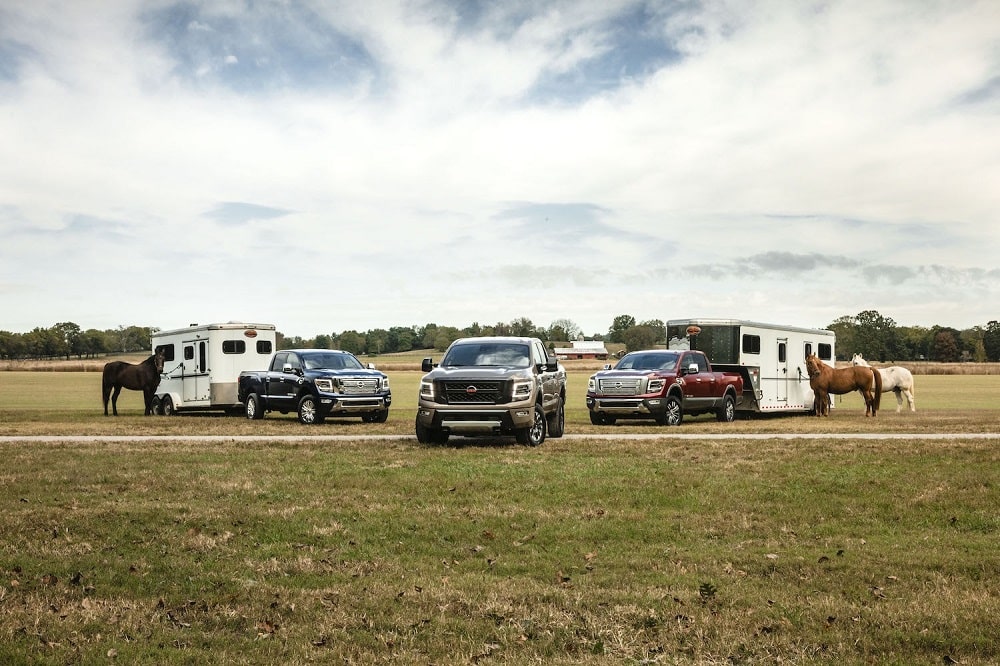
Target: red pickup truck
663,385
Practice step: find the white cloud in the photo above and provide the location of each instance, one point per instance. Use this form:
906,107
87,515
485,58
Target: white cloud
414,163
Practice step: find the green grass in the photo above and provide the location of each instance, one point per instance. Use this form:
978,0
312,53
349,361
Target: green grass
583,550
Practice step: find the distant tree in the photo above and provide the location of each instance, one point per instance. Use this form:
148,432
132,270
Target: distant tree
523,327
946,348
973,347
620,324
874,335
659,328
914,343
564,329
323,341
639,337
991,341
845,329
351,341
375,341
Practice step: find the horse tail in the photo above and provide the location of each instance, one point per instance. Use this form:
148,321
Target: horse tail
877,376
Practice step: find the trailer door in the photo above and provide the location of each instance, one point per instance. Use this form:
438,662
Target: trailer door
196,371
781,374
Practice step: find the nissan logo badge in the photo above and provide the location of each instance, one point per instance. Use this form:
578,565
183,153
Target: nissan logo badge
471,389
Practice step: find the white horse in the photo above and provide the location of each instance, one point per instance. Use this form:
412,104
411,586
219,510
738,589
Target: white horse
897,379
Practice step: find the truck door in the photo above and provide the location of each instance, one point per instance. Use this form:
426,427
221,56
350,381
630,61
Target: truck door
781,374
697,386
281,386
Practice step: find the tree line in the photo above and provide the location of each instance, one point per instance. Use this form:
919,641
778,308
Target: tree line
869,333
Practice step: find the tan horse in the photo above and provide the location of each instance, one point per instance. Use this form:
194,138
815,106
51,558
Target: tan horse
825,380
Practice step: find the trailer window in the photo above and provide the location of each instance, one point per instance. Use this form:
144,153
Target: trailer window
751,344
263,346
781,352
809,349
188,352
234,347
168,352
825,351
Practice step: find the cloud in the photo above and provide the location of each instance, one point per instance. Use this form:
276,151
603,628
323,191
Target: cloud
236,213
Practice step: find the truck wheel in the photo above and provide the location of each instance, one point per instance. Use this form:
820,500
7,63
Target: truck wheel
309,413
168,406
534,434
427,435
253,409
557,422
376,417
155,406
673,414
727,412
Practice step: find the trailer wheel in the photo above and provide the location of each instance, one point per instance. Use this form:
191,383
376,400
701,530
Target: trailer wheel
727,412
168,406
156,406
253,409
309,413
673,415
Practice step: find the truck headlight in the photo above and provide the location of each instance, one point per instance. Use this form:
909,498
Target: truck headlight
385,383
427,390
592,385
655,385
324,385
522,390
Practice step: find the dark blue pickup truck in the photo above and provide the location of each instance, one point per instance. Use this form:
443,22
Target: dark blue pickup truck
315,384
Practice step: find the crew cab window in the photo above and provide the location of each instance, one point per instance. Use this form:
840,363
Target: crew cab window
279,361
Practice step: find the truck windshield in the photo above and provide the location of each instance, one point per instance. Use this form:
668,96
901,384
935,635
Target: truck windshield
501,354
321,361
641,361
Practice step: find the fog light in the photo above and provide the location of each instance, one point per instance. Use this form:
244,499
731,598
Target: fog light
521,413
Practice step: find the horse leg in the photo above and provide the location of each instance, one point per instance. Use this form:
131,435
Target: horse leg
105,394
148,395
899,399
909,399
114,399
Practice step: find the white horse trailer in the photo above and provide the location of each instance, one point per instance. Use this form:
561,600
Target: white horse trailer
202,364
771,358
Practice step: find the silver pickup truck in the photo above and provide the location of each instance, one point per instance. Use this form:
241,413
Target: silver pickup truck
497,386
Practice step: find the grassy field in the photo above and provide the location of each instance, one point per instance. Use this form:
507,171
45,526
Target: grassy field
584,550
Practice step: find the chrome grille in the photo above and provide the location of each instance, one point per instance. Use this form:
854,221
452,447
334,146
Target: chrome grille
622,386
359,386
474,392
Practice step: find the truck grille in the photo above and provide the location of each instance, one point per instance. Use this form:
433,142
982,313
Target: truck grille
622,386
474,392
359,386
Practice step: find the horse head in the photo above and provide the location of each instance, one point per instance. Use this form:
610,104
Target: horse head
159,360
858,359
813,365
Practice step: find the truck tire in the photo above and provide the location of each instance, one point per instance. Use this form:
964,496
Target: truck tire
253,408
557,422
599,418
534,434
427,435
168,406
309,413
727,411
673,414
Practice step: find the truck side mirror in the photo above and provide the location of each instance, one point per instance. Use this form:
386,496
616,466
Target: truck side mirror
692,369
607,366
427,365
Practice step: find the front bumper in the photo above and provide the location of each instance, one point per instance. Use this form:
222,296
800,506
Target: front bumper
643,407
466,421
335,403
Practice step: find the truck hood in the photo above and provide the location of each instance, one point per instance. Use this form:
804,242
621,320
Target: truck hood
478,372
365,372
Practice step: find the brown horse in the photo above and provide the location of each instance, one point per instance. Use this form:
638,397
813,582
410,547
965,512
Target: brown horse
825,380
143,377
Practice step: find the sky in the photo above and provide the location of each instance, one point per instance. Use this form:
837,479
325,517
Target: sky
348,165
